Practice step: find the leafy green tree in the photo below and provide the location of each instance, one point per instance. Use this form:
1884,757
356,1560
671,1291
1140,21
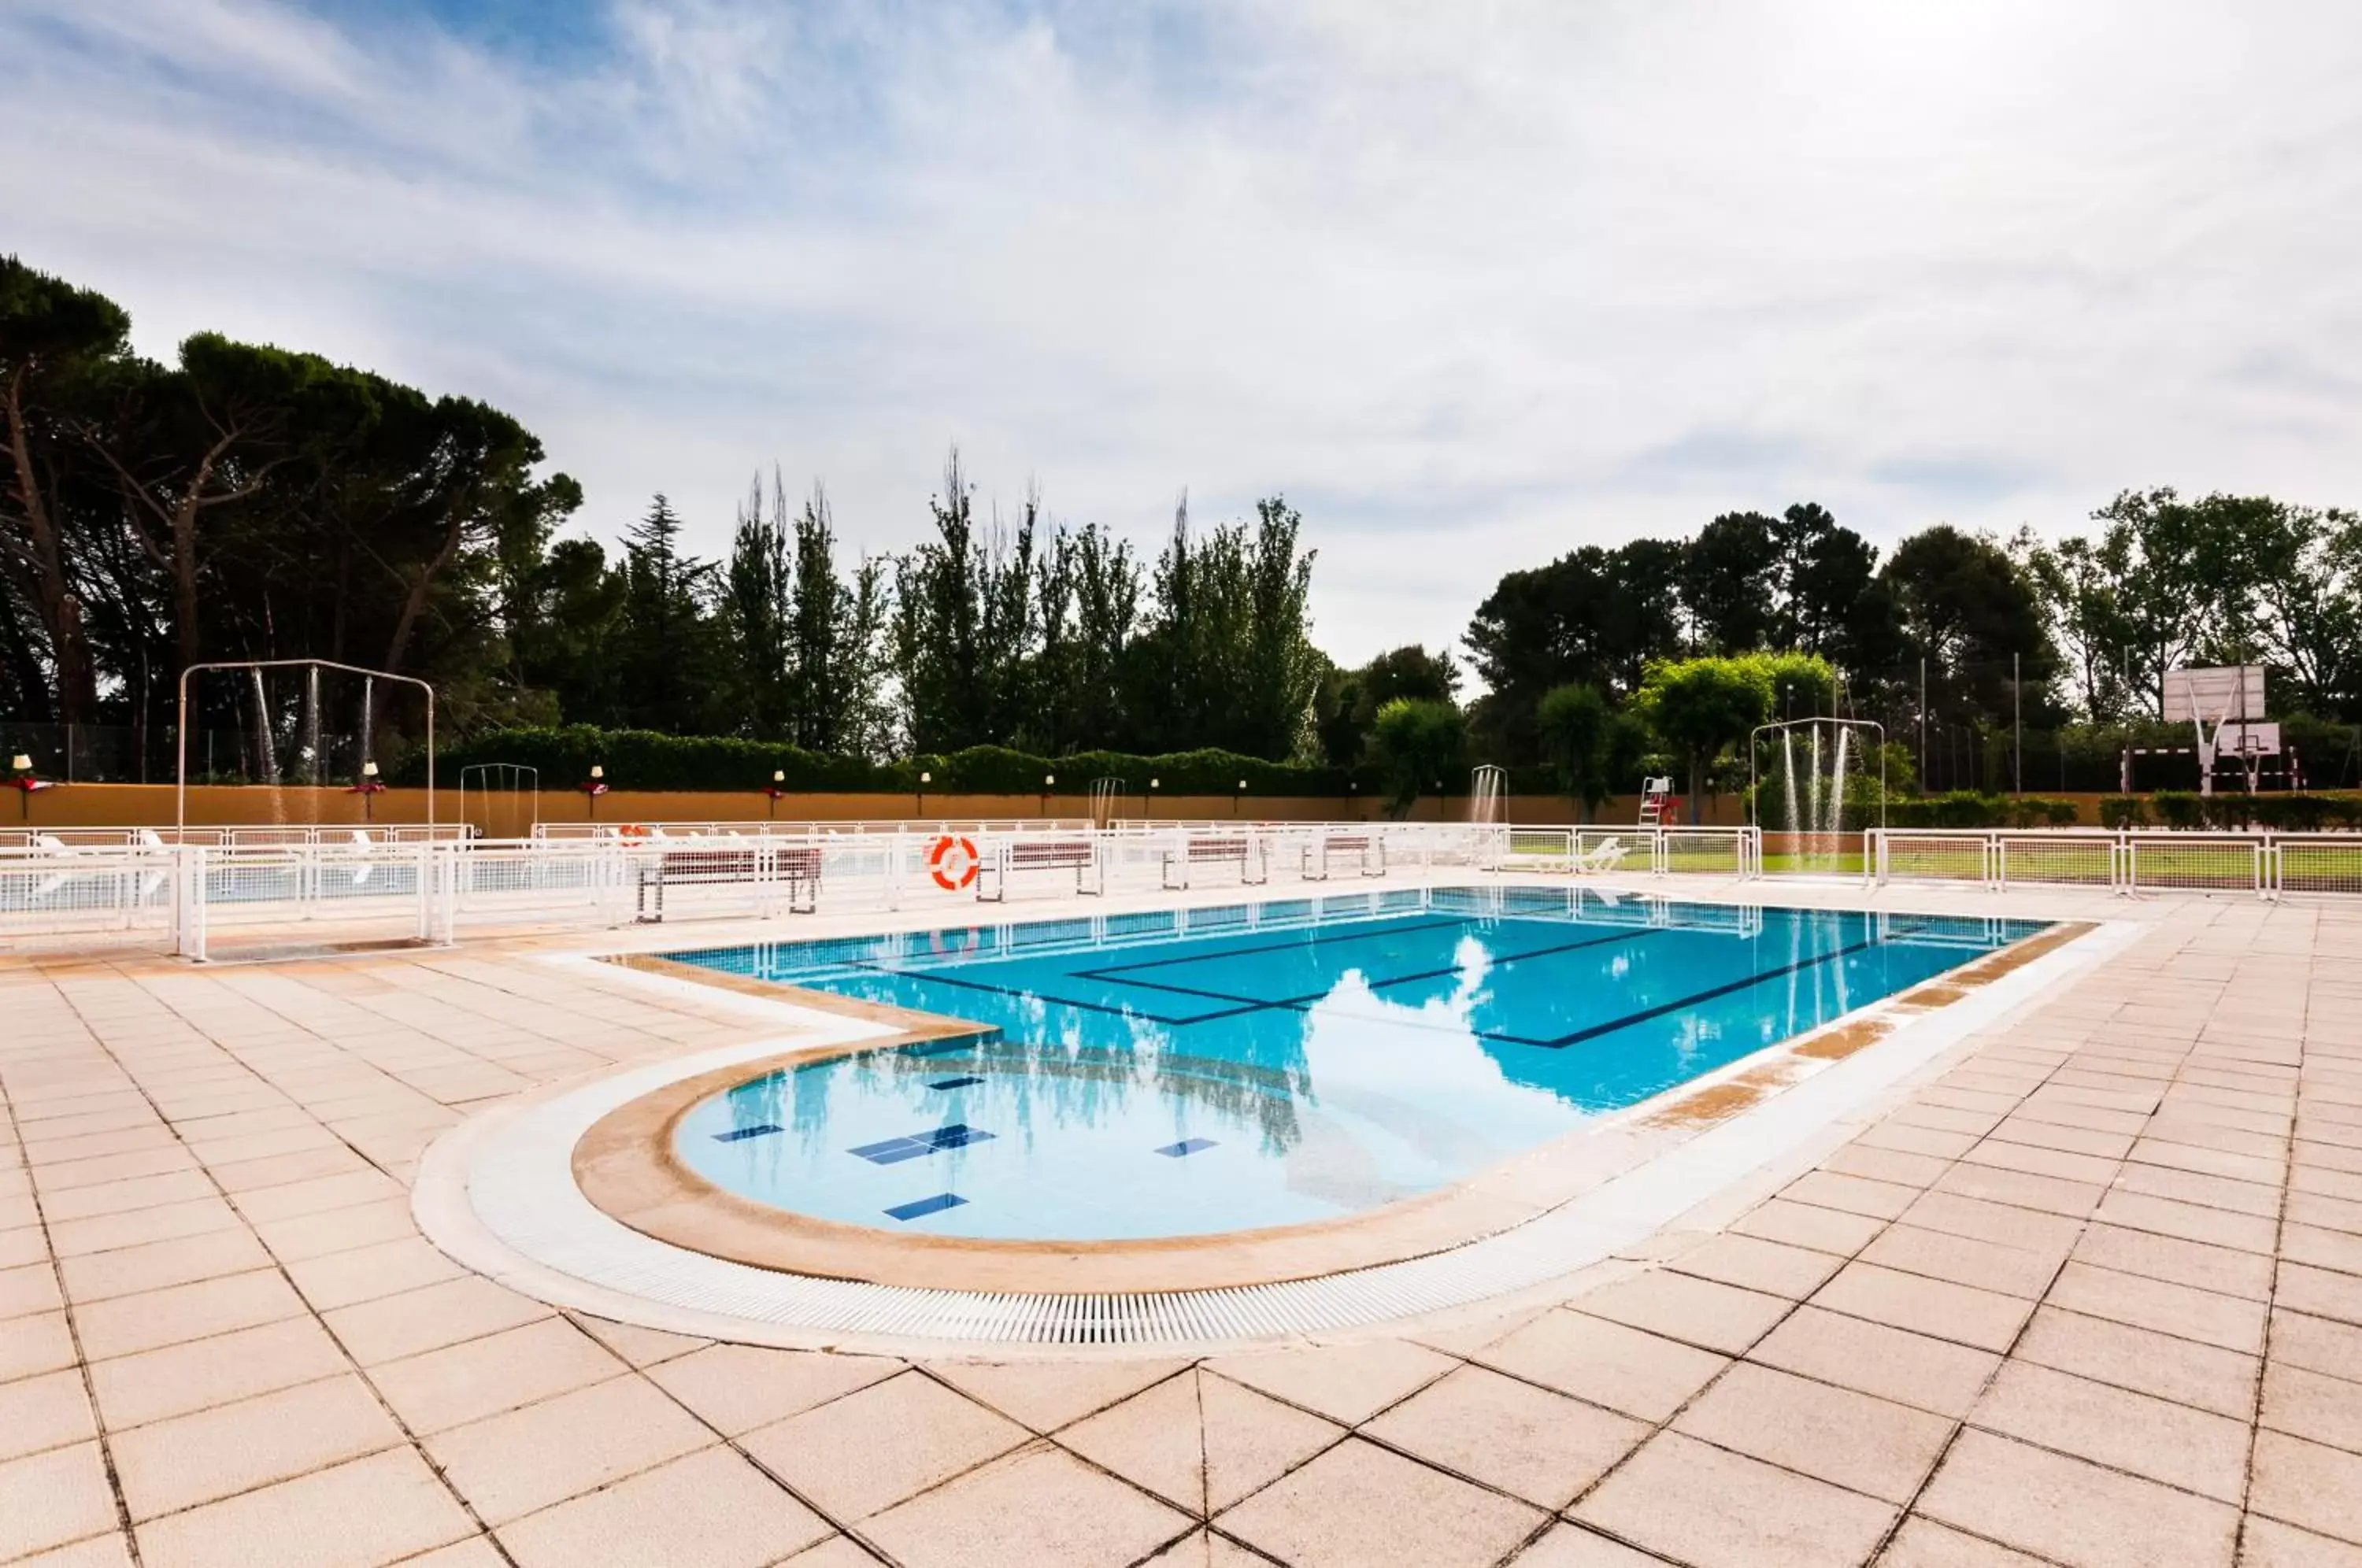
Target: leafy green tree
1350,699
55,340
964,624
1730,583
1961,603
1593,616
1700,707
1824,572
1415,744
1578,731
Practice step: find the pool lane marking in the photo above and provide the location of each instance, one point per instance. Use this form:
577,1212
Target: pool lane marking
1503,960
1744,983
1390,928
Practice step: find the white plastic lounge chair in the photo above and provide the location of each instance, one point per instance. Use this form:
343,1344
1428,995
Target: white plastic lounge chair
1602,856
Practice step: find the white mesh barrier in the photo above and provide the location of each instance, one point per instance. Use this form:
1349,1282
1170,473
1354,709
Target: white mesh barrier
2264,864
128,893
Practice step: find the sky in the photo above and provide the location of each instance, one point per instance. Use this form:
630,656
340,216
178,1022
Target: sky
1470,284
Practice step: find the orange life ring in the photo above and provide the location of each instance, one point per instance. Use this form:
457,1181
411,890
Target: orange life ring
633,829
953,874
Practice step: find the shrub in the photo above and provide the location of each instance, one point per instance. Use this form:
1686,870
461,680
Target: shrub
2122,811
2179,809
643,760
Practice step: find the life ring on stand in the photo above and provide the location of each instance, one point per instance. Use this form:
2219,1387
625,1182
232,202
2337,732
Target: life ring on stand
953,862
633,829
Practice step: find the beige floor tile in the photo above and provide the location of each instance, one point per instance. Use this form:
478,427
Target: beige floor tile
1902,1168
1569,1546
35,1344
1701,1506
476,1378
1924,1543
106,1232
365,1273
2044,1194
1999,1155
1640,1375
1872,1358
868,1451
836,1551
126,1197
2303,1403
2224,1270
1156,1439
1835,1434
1345,1383
49,1498
1850,1195
2142,1360
736,1388
185,1260
2182,1447
2316,1248
2063,1508
429,1318
26,1244
68,1174
1983,1319
509,1465
1957,1216
1803,1225
1963,1260
1357,1505
2189,1222
126,1325
1040,1505
196,1458
318,1197
476,1551
2267,1543
109,1551
711,1508
2309,1485
1697,1311
1047,1395
2170,1309
2322,1293
48,1411
2205,1191
28,1289
307,1236
641,1347
1529,1442
1199,1548
375,1510
1753,1263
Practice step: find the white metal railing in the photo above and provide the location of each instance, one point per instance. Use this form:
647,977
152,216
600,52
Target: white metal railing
28,839
2264,864
326,888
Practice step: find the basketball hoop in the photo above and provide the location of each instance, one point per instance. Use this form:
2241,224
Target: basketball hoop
2225,701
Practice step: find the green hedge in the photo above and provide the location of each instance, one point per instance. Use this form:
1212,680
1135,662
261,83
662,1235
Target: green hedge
643,760
1968,809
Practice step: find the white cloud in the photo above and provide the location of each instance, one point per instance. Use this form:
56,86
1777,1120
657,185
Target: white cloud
1474,285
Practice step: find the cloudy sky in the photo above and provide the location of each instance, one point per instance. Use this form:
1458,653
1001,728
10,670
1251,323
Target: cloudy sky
1471,285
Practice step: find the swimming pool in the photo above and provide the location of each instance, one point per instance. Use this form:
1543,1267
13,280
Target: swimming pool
1213,1070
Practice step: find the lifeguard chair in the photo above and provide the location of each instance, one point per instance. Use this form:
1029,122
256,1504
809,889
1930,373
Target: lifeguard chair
1659,804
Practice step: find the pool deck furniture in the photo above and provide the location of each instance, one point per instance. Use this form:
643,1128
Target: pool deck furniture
1082,855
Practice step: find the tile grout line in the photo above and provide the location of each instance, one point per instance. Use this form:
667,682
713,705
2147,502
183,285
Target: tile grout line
409,1437
74,1337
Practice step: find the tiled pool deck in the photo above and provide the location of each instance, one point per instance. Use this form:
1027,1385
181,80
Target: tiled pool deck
2091,1294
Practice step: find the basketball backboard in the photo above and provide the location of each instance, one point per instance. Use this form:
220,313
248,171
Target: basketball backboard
2212,696
2249,740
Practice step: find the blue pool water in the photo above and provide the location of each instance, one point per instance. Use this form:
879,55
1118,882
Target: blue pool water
1216,1070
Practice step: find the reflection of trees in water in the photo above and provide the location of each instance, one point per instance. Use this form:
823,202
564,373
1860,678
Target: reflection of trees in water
1054,1071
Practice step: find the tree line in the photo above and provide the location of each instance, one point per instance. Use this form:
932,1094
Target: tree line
247,502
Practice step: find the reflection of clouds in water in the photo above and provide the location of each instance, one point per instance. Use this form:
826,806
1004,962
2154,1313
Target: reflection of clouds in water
1381,1062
